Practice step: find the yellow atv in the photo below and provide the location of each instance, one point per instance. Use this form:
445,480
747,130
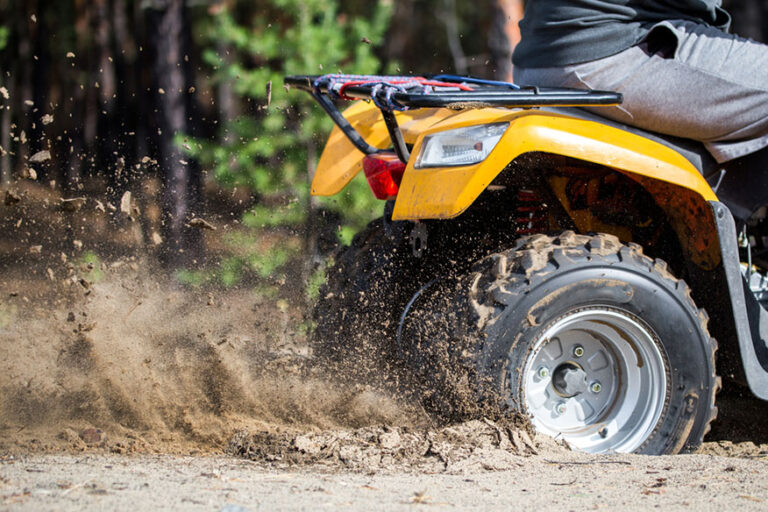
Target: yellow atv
536,255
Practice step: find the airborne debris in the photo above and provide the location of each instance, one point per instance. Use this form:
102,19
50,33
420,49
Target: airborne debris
71,205
46,119
365,40
40,156
4,93
70,55
36,249
201,224
11,198
125,203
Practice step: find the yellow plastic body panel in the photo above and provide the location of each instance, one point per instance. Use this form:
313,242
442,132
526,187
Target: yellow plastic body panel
341,160
442,193
445,192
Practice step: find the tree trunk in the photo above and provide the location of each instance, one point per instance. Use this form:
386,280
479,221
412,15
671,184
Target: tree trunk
107,123
5,130
122,43
168,33
398,32
23,83
40,87
450,20
504,35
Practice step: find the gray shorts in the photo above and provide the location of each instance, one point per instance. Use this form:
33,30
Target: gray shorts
710,86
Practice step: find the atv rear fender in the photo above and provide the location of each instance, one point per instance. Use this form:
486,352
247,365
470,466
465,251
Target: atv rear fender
445,192
440,193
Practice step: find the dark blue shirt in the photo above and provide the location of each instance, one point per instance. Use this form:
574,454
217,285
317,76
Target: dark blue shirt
563,32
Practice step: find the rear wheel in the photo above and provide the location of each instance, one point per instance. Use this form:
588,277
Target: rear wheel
358,308
597,343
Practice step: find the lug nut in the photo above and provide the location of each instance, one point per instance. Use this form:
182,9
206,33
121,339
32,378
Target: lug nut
596,387
560,408
578,351
543,372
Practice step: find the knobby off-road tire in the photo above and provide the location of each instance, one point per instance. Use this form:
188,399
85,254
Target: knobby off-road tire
358,309
598,343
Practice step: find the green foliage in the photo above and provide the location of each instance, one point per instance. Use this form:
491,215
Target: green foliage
3,37
316,281
246,260
271,147
90,265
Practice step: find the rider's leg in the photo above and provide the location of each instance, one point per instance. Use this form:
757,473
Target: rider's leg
687,80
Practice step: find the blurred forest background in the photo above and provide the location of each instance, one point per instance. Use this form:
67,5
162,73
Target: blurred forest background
142,124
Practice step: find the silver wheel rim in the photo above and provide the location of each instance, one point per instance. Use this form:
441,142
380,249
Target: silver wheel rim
596,378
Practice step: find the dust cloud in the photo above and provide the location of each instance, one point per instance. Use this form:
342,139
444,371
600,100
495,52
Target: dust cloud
138,363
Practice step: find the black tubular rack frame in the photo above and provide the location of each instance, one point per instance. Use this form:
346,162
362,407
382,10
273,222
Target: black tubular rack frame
483,94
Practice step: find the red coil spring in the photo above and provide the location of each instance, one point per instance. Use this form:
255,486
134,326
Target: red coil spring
530,214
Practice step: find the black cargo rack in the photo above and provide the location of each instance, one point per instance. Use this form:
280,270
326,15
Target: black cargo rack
392,93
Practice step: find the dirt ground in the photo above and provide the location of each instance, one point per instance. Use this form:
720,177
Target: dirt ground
548,481
122,389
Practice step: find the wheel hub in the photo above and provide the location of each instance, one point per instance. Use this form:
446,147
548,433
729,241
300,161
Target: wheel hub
597,378
569,380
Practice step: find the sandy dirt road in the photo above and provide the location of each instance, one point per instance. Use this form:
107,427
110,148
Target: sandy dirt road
554,481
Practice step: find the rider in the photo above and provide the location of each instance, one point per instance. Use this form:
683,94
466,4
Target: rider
680,71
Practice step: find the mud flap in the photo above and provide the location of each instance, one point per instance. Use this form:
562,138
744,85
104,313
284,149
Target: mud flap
750,319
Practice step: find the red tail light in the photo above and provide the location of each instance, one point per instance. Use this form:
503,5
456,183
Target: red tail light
384,171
